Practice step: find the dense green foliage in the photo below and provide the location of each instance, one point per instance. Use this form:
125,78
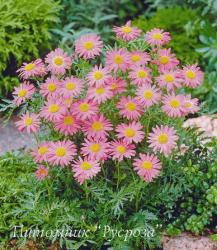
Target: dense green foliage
24,31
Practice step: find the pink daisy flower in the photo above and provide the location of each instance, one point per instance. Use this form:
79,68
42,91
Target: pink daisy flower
71,87
88,46
97,76
95,149
191,105
118,60
140,75
22,93
58,61
127,32
147,166
85,169
53,109
84,109
50,88
166,60
119,150
148,95
68,124
100,94
130,108
40,153
138,58
169,79
157,37
61,153
163,139
97,127
192,76
28,122
117,85
41,172
32,69
173,105
130,132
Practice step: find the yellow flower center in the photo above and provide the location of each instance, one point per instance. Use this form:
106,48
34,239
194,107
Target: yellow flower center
147,165
68,101
54,108
142,74
114,86
169,78
95,147
22,93
129,132
28,121
130,106
148,94
70,86
162,138
60,152
42,150
84,107
164,59
97,126
121,149
58,61
29,66
88,45
190,74
118,59
188,104
51,87
42,172
85,165
68,120
174,103
126,29
98,75
100,91
135,58
157,36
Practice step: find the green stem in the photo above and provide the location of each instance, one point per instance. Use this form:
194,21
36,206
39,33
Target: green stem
86,189
118,174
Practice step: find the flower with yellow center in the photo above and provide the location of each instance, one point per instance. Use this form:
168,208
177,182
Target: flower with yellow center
51,87
147,165
88,45
29,66
98,75
118,59
129,132
85,165
84,107
114,86
148,94
121,149
68,120
190,74
162,138
70,86
174,103
22,93
164,59
142,74
53,108
127,29
100,91
42,172
130,106
28,121
95,147
97,126
60,151
135,58
58,61
42,150
169,78
157,36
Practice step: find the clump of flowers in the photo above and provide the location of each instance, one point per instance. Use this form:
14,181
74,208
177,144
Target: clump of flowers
123,109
